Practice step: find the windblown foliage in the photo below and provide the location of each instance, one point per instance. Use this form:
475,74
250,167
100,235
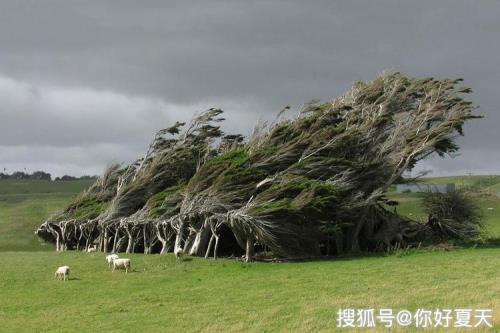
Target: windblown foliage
453,215
305,186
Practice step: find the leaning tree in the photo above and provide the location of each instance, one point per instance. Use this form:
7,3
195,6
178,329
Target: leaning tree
308,185
124,209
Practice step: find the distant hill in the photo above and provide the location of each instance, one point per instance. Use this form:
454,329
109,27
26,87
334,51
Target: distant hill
26,202
482,183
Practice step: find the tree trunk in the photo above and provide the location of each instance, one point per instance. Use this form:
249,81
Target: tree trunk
101,242
250,248
163,246
355,246
120,243
145,242
216,245
178,237
189,242
105,249
209,247
196,244
57,242
200,242
115,240
130,244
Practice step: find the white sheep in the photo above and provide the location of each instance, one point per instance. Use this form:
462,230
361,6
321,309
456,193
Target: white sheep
62,273
178,253
122,263
92,249
110,258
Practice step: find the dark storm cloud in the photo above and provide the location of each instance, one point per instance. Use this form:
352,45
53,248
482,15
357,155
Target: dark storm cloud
74,74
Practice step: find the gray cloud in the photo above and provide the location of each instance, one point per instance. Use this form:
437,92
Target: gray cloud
81,130
104,75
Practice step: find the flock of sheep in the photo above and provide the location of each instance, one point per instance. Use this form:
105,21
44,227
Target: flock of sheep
62,273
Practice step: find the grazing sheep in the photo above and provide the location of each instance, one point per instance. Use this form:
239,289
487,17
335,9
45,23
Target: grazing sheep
92,249
62,273
178,253
121,263
110,258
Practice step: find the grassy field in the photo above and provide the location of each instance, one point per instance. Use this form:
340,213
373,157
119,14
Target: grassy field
162,295
24,204
485,184
201,295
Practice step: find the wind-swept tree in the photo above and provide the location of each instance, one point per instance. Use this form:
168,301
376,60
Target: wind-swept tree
306,186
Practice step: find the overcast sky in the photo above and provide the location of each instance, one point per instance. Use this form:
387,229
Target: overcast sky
87,83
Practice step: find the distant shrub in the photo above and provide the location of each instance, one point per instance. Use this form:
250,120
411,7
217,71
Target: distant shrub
453,215
69,178
17,175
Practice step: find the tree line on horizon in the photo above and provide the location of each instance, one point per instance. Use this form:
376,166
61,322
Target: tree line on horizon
42,175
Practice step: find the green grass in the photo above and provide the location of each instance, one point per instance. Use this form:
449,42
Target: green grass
25,204
201,295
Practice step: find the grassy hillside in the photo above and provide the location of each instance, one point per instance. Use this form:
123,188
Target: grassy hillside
24,204
485,184
200,295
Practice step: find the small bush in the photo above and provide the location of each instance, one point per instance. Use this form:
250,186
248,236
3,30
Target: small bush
453,215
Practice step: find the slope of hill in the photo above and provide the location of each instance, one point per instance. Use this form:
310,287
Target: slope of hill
24,203
483,183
